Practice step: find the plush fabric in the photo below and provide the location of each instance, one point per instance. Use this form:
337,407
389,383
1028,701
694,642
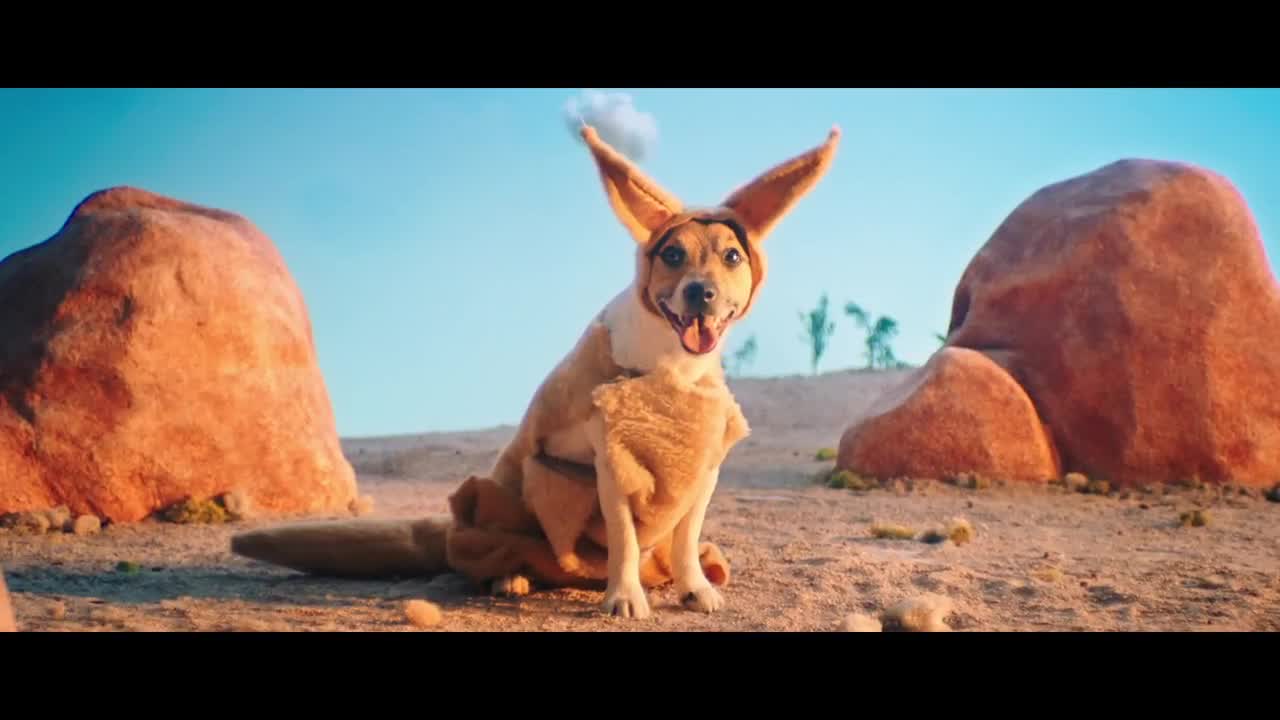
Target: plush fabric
662,435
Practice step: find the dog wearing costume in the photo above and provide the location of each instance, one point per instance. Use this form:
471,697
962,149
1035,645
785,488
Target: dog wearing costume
608,478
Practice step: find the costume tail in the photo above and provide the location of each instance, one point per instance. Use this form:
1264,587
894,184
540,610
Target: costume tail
358,548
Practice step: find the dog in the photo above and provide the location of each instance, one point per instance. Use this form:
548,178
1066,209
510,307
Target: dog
621,445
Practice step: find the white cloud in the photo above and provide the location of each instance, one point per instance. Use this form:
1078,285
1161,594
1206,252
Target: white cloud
616,119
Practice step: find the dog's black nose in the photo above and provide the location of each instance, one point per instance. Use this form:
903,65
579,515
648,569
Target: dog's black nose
697,295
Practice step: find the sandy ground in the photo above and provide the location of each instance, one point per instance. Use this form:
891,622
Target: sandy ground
802,554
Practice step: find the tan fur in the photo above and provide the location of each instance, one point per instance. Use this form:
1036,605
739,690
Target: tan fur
706,246
609,474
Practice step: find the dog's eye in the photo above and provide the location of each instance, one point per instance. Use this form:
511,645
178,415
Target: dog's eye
733,257
673,256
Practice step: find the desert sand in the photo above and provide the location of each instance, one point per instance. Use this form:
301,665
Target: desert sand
802,554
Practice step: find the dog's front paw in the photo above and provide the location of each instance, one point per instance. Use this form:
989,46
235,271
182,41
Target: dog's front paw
703,599
628,601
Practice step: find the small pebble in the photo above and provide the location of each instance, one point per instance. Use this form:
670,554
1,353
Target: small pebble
422,614
362,506
926,613
59,518
86,525
857,622
238,505
1076,482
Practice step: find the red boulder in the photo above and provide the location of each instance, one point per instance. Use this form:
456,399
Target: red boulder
960,413
1136,306
153,351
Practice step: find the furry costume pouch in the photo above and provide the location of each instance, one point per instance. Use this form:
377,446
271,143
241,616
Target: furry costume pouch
662,435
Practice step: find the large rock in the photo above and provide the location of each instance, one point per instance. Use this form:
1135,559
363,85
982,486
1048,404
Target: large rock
7,623
1136,307
959,413
153,351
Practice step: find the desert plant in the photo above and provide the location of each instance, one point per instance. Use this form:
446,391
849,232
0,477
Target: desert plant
1048,574
818,330
743,355
845,480
1097,487
892,531
958,531
191,511
1195,518
971,481
880,333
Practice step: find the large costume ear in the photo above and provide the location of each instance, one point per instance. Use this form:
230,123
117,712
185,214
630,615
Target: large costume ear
639,202
762,202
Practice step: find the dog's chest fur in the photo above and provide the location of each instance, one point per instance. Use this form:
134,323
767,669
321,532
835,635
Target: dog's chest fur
640,342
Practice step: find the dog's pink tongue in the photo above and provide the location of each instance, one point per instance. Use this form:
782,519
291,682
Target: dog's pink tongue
699,337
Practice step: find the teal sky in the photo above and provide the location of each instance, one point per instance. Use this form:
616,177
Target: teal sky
452,244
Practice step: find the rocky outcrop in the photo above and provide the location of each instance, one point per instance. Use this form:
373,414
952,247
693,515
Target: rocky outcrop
155,351
960,413
1136,307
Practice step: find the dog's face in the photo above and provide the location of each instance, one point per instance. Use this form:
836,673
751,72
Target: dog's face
702,270
700,280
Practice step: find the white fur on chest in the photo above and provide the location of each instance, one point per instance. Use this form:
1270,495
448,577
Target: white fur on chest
641,342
